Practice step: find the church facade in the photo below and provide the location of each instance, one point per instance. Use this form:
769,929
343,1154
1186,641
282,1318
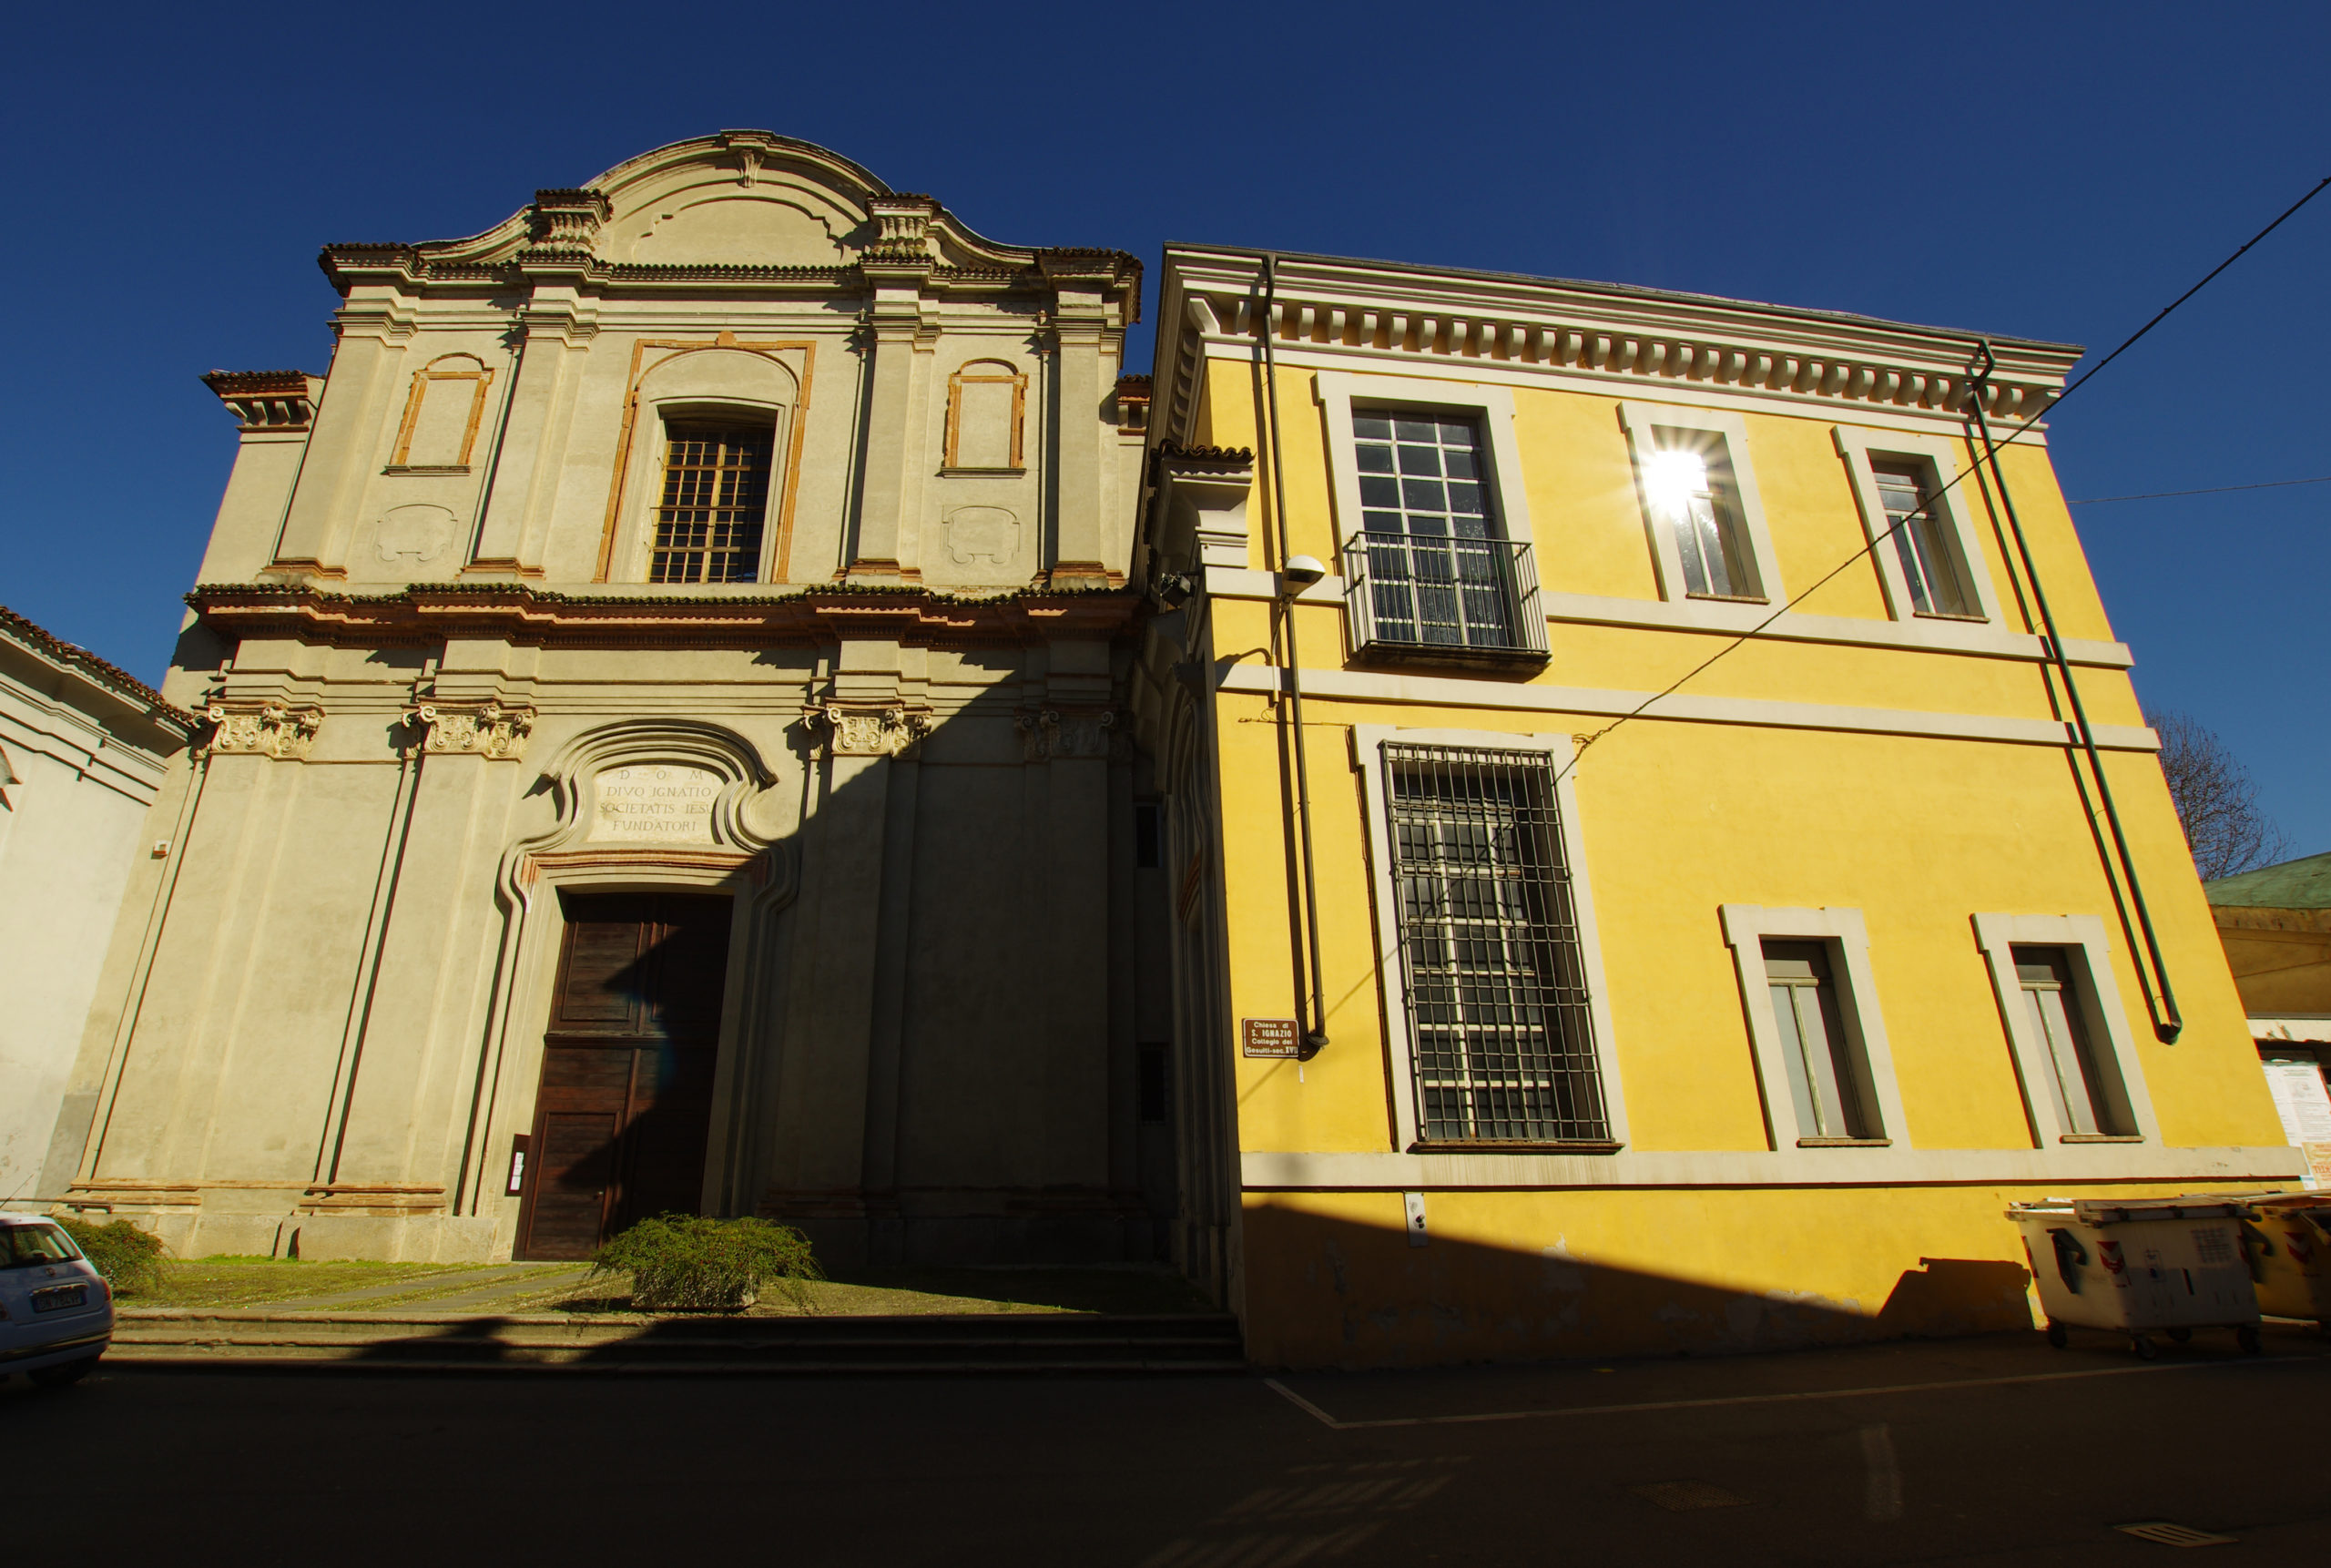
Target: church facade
661,751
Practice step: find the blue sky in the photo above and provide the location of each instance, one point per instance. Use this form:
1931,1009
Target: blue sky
2057,171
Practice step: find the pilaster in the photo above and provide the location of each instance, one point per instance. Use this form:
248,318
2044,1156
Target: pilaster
558,322
1081,322
896,330
374,325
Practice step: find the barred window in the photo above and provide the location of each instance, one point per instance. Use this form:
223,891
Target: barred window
716,493
1502,1038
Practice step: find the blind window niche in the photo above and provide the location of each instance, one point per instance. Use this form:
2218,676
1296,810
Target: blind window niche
2084,1082
986,416
443,411
1827,1080
1493,976
1689,481
1922,538
715,499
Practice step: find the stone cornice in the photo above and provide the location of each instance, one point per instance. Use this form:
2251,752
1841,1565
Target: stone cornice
268,400
1636,339
95,685
804,617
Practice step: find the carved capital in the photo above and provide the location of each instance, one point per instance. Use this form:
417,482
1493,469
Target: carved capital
867,731
1054,734
488,730
268,728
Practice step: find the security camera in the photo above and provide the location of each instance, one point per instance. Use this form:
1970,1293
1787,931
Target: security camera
1300,573
1173,590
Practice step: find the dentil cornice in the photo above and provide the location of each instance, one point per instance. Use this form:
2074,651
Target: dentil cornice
1634,337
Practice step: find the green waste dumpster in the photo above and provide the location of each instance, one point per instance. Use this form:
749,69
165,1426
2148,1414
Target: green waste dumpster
2141,1265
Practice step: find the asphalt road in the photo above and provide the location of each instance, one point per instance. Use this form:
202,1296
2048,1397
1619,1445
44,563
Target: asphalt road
2021,1455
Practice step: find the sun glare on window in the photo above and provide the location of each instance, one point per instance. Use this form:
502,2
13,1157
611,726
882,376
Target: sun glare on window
1673,478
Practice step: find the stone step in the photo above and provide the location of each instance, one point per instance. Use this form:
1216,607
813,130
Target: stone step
416,1341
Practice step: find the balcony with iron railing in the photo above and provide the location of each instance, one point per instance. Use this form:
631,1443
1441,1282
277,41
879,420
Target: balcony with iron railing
1430,599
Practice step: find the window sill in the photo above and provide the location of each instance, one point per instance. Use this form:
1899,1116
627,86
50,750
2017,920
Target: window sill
1943,615
1454,655
1845,1142
982,473
1730,598
1517,1146
426,468
2101,1138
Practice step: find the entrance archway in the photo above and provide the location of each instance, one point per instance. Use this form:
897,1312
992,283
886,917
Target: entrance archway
623,1112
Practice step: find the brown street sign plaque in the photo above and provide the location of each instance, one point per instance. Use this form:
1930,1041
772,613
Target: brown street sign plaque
1266,1037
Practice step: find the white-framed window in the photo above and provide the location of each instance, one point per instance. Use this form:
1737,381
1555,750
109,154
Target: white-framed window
1931,565
1701,506
1487,946
1823,1063
1431,519
2074,1054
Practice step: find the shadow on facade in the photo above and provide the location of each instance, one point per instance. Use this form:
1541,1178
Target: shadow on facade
1326,1292
937,1055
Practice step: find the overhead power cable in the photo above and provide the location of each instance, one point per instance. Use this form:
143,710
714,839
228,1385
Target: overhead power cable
1909,517
2213,490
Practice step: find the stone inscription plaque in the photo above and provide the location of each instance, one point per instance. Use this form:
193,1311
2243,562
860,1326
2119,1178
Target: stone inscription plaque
654,803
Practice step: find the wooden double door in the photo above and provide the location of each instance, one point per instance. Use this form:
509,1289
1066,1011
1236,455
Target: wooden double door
625,1108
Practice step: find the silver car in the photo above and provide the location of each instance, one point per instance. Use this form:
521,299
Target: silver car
55,1308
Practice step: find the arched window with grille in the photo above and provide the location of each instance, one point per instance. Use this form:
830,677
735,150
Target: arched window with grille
714,502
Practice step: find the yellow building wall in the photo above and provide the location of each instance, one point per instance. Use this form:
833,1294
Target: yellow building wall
1332,1280
1677,819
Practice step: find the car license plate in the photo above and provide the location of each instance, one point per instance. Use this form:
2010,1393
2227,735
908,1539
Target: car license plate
58,1297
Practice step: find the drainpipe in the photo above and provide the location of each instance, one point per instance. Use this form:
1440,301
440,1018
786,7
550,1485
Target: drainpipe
2166,1024
1315,1027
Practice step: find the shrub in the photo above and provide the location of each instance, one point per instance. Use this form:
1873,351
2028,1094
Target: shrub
692,1261
129,1258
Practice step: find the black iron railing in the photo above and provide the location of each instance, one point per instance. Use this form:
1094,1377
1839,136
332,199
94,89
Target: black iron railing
1435,596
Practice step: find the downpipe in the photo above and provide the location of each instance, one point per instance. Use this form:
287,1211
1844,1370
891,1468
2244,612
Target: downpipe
1313,1027
2167,1025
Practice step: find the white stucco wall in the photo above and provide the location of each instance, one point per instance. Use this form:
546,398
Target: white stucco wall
81,760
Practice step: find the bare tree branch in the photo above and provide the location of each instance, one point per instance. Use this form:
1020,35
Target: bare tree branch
2216,800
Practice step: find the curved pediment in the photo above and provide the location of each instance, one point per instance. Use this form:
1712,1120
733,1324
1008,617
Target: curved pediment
750,198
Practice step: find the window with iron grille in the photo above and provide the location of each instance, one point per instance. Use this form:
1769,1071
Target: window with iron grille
716,493
1431,562
1501,1035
